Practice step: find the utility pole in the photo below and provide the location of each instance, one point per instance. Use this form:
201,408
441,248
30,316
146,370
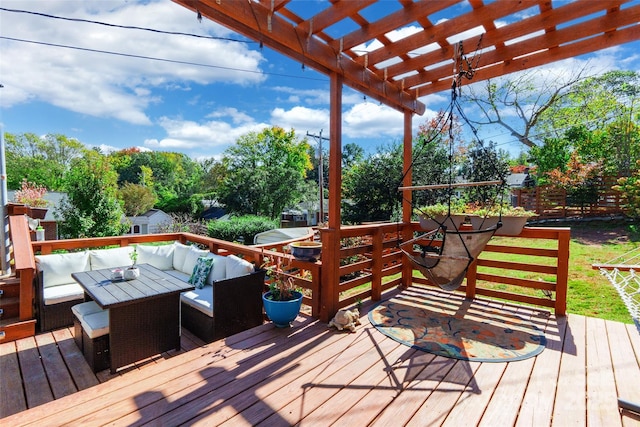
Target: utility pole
319,138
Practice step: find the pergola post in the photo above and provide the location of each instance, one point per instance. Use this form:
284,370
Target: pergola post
331,235
407,196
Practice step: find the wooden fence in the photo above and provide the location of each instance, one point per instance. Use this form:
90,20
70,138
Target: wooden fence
551,202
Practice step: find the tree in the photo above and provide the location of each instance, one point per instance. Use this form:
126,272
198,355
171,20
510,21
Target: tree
265,172
91,208
175,176
137,199
598,117
42,160
371,186
524,96
485,163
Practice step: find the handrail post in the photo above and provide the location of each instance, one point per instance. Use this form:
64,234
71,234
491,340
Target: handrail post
376,270
562,277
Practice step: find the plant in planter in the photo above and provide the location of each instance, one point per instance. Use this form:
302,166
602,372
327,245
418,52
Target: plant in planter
283,300
513,218
32,195
132,272
433,215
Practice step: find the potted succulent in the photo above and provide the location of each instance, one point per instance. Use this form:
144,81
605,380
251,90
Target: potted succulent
433,215
132,272
283,300
32,195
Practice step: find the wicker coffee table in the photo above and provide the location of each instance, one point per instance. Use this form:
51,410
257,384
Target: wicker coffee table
144,313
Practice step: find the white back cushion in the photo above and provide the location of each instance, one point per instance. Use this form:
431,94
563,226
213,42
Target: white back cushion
237,267
219,268
191,258
160,257
180,252
110,258
57,268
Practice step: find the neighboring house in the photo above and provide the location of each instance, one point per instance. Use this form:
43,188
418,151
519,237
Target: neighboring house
149,222
520,180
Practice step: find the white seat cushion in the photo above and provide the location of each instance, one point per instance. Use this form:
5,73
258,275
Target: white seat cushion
200,299
237,267
84,308
62,293
57,268
96,324
111,258
160,257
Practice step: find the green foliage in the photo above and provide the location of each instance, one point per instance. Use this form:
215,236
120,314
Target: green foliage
173,176
137,199
265,173
242,228
91,208
371,186
630,188
41,160
485,163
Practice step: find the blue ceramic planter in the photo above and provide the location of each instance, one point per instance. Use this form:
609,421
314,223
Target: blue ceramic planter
282,313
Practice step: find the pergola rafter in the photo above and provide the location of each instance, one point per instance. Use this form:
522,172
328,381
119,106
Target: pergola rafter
508,36
399,72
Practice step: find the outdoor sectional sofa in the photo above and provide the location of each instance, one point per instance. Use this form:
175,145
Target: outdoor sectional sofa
228,303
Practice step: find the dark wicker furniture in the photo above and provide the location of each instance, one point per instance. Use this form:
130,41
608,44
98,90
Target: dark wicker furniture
52,316
237,306
144,316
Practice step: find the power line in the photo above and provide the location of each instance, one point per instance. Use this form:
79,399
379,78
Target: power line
127,27
173,61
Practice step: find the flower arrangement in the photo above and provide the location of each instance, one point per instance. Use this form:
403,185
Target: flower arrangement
31,194
282,285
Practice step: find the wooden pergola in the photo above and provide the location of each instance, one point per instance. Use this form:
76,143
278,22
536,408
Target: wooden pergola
510,36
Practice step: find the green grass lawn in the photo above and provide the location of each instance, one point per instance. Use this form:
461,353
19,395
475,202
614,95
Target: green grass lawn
589,292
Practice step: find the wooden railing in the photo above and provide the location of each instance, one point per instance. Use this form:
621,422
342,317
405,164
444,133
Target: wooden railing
306,274
371,263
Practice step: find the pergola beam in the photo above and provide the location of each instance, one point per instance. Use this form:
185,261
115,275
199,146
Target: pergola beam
256,21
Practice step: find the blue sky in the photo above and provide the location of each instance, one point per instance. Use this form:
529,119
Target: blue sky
116,102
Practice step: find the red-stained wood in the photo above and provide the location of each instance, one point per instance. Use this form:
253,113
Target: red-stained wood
313,375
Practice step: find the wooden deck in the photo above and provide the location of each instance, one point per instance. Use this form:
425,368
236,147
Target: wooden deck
313,375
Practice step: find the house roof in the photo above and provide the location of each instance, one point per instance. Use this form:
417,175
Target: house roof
351,38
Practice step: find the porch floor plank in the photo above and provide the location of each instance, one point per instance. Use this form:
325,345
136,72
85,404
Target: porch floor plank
81,373
58,375
36,385
12,398
313,375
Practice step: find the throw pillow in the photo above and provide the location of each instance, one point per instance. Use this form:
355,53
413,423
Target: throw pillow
190,259
201,271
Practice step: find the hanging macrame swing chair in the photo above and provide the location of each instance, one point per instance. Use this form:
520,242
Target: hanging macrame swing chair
444,254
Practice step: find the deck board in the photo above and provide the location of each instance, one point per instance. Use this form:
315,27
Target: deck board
313,375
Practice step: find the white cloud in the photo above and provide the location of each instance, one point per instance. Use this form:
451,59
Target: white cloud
109,85
203,139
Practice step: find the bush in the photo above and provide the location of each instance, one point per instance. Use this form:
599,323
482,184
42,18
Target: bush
240,229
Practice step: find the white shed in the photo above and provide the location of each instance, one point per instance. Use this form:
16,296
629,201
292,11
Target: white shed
148,222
